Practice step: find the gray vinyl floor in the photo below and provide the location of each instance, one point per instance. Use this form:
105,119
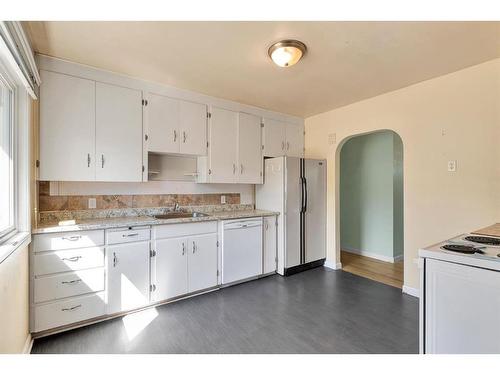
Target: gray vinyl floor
317,311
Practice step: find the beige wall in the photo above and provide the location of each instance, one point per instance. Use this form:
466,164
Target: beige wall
14,302
453,117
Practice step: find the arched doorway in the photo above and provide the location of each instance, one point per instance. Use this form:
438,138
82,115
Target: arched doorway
371,206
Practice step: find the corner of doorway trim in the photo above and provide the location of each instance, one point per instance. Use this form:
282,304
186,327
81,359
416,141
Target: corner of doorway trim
411,291
332,265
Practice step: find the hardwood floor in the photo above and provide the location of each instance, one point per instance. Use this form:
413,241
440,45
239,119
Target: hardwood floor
373,269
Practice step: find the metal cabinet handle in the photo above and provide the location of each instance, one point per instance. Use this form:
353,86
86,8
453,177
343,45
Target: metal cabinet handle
71,308
102,160
72,259
71,282
88,160
194,247
234,168
241,169
175,135
283,145
287,146
183,248
130,235
115,260
184,137
72,238
267,225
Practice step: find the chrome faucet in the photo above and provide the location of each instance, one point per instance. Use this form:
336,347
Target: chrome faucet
176,207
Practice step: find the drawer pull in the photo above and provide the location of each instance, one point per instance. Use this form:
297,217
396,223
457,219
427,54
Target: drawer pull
130,235
194,247
71,308
72,238
115,260
183,248
73,259
71,282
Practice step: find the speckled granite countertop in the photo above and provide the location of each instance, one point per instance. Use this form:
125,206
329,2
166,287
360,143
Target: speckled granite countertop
117,222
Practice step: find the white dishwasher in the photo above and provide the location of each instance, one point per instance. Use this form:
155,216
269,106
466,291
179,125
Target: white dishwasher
241,249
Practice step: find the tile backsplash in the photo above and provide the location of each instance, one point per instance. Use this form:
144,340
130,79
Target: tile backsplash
49,202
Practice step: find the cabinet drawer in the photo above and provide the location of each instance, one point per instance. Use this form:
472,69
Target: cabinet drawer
184,229
68,260
69,284
127,235
69,311
68,240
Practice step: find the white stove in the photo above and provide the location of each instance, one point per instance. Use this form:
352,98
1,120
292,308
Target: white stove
459,282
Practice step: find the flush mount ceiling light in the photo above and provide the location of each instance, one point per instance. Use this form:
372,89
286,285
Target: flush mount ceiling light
287,52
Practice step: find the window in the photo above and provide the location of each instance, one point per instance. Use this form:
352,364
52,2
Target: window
7,198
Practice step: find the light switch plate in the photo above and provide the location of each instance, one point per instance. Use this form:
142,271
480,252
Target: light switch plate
222,199
452,166
92,203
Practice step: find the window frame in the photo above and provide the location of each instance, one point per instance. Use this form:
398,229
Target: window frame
13,229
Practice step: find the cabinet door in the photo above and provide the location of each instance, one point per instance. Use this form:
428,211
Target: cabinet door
270,242
462,305
223,145
294,140
202,262
170,268
118,133
67,128
250,158
163,124
193,128
274,138
128,276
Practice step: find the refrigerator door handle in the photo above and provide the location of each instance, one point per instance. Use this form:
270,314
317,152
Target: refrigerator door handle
305,194
302,194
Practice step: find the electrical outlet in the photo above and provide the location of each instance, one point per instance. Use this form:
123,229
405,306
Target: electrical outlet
332,138
452,166
222,199
92,203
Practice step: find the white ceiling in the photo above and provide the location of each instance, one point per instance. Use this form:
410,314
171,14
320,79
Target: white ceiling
346,61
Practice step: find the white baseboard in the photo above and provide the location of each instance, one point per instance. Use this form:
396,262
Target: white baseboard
332,265
398,258
411,291
28,344
368,254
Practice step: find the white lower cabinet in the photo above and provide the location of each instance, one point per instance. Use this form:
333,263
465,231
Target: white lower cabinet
270,245
128,276
183,264
68,311
169,268
202,262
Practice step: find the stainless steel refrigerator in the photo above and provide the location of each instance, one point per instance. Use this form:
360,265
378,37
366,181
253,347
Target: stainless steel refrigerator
296,188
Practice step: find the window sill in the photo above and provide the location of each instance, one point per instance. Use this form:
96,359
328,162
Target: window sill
12,244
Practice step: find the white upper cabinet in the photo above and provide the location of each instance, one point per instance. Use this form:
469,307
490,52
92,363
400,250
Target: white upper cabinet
67,128
193,128
234,149
223,146
249,149
281,138
294,136
176,126
163,124
274,138
118,133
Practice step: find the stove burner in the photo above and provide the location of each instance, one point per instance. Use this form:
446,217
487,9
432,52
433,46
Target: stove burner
462,249
484,240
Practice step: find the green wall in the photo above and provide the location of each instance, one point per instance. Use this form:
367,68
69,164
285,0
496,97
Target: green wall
371,194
